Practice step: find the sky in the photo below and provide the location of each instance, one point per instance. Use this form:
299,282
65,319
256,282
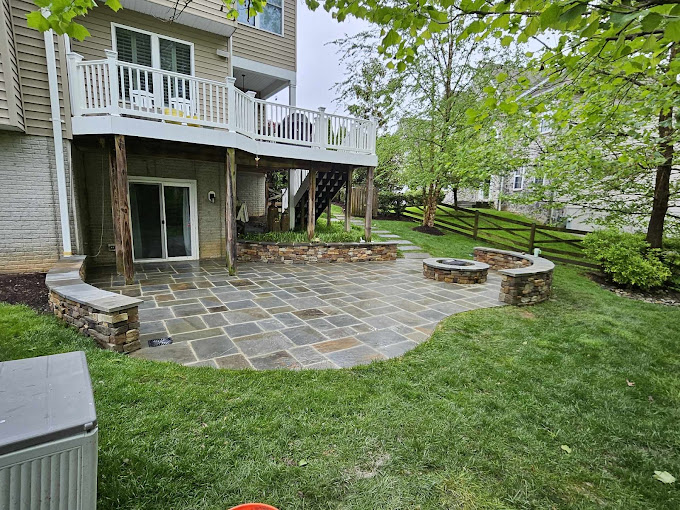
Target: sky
318,68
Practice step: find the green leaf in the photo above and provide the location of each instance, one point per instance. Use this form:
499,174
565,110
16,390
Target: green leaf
551,15
664,477
302,463
401,66
36,20
573,13
672,31
507,41
651,21
77,31
566,448
501,77
391,39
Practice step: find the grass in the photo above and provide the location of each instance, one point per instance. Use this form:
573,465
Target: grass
472,419
333,234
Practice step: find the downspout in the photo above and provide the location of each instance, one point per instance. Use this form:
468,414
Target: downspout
58,142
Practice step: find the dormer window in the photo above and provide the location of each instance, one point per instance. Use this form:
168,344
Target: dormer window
271,19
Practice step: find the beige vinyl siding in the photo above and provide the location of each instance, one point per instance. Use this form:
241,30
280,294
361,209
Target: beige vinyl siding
11,108
30,49
267,48
207,63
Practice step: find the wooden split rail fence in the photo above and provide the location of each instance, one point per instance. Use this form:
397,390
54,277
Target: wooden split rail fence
556,243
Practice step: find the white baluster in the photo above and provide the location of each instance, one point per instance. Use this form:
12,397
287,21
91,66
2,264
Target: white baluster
231,103
322,128
252,114
76,82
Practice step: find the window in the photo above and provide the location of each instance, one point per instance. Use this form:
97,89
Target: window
271,19
518,179
153,50
539,181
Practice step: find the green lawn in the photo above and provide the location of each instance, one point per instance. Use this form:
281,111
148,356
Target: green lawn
472,419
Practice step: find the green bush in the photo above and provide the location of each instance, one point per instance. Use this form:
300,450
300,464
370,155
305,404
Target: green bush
670,255
626,258
333,234
391,202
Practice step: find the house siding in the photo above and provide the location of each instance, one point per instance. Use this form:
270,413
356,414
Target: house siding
29,205
267,48
11,106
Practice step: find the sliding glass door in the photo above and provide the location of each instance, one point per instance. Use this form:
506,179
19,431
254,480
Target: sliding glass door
163,220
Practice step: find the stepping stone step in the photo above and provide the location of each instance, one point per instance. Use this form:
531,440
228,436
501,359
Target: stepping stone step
411,247
412,255
388,236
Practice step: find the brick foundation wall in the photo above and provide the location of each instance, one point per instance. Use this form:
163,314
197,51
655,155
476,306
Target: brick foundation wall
525,280
30,230
114,325
455,276
252,251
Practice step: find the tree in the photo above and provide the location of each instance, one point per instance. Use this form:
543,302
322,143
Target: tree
439,148
623,44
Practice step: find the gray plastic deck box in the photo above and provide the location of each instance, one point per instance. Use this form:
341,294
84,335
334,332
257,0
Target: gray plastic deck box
48,434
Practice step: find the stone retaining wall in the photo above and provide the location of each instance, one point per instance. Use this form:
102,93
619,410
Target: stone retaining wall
300,253
111,319
453,276
526,280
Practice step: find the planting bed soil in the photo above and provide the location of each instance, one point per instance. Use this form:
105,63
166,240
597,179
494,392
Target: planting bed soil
433,231
27,289
662,296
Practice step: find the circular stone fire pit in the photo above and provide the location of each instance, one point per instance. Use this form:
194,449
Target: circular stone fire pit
455,270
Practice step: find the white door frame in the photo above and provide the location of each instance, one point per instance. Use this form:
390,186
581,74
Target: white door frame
193,210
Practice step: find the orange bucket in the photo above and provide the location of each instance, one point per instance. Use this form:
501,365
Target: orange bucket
253,506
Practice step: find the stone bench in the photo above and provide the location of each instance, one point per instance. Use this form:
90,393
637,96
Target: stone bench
111,319
301,253
526,280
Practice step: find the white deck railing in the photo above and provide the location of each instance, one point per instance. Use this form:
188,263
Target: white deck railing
112,87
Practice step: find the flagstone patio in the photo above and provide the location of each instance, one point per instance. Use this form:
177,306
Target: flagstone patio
291,316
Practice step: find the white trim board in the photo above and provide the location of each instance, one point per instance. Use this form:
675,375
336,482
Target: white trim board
111,124
225,28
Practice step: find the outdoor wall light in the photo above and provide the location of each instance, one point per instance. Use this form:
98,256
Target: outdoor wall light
211,196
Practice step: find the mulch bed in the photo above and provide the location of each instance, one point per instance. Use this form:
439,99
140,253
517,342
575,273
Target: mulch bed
433,231
662,296
27,289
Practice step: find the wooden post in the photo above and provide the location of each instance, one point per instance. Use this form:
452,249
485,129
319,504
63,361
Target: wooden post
291,199
476,227
369,203
532,238
328,212
123,209
348,201
113,184
311,205
230,209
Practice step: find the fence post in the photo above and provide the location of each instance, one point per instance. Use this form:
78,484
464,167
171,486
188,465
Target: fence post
476,227
112,64
76,83
532,237
231,104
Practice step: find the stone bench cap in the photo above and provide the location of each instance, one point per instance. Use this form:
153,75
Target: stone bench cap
538,264
64,279
473,265
334,245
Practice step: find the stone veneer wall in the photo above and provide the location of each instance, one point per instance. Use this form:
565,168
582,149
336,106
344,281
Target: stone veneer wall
454,275
111,319
525,280
299,253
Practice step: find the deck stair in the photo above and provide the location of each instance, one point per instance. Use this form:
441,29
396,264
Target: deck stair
327,186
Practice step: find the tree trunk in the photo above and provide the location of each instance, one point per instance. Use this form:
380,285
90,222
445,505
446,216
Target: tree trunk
662,185
455,198
431,199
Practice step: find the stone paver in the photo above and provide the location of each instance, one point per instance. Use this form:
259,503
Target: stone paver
273,316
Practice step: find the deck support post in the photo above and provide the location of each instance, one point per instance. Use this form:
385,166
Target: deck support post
123,223
369,203
328,212
311,205
291,199
230,209
113,185
348,201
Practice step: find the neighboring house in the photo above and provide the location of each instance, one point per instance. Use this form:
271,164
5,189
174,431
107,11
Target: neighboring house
154,107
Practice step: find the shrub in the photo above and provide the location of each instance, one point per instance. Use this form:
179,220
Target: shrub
391,202
335,234
626,258
670,255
